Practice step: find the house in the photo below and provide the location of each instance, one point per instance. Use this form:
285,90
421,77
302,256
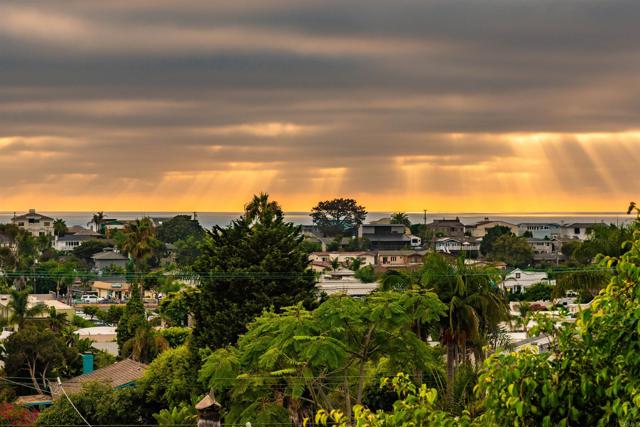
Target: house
69,242
36,299
544,246
400,258
344,258
480,229
538,230
34,223
119,375
447,228
107,258
578,230
113,290
344,281
108,224
5,242
388,236
518,280
103,337
450,245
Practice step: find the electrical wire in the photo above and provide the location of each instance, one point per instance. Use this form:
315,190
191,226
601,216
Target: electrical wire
70,402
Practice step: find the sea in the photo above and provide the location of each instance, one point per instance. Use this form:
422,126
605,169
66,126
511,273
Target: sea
209,219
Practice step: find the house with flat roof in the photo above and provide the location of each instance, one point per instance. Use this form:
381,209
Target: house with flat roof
539,230
480,229
388,236
35,223
400,258
344,258
112,290
33,300
69,242
447,228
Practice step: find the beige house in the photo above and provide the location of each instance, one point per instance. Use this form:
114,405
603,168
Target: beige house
111,290
344,258
400,258
34,223
480,229
47,300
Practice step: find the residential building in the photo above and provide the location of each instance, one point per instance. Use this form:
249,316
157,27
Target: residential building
344,258
451,245
480,229
107,258
519,280
400,258
538,230
388,236
447,228
36,299
103,337
108,224
119,375
69,242
544,246
578,230
34,223
344,281
113,290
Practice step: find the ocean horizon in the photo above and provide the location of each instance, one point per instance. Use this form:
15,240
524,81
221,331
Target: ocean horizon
209,219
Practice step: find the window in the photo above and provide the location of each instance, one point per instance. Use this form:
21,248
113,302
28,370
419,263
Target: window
47,224
393,259
576,230
21,224
384,260
517,275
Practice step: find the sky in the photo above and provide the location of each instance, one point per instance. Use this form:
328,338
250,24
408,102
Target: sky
405,105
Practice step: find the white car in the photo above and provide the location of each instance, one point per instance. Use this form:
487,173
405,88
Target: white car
89,299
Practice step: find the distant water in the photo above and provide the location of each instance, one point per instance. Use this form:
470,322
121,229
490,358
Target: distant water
209,219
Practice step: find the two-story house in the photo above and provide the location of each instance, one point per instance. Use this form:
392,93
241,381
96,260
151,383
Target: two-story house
447,228
34,223
539,230
519,280
481,228
388,236
578,230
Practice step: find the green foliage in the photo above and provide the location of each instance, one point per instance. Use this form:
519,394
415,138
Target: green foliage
111,316
36,352
539,292
512,250
309,247
91,311
180,227
98,403
591,376
493,233
133,317
366,274
293,363
338,216
176,335
175,308
89,248
170,380
260,264
184,415
145,345
139,242
587,281
187,250
400,218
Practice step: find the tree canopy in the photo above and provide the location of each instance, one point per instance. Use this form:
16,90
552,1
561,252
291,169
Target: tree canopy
338,216
180,227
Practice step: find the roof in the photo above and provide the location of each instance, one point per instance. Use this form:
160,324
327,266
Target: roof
394,237
401,252
76,237
109,255
361,253
120,286
583,224
207,402
380,224
33,215
490,221
445,222
33,400
552,224
117,375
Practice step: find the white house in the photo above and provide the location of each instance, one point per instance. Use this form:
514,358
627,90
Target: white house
34,223
480,229
540,230
68,242
543,246
578,230
449,245
518,280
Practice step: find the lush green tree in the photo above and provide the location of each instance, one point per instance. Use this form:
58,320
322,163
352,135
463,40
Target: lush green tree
96,220
366,274
184,415
180,227
569,248
175,335
586,281
290,364
512,250
169,382
91,311
145,345
261,209
111,316
338,216
8,260
99,404
492,234
20,308
175,308
133,317
187,250
401,218
141,244
245,268
539,292
39,354
59,227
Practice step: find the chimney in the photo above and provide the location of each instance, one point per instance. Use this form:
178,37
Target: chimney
87,363
32,211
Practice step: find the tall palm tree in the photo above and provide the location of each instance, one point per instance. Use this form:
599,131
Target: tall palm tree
97,219
140,242
261,209
475,303
19,305
400,218
59,227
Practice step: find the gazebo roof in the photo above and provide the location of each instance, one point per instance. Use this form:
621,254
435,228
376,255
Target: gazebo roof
207,402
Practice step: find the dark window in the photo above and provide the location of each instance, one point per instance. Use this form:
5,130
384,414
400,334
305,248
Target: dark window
576,230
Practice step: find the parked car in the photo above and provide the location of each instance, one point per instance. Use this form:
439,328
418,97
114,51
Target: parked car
89,299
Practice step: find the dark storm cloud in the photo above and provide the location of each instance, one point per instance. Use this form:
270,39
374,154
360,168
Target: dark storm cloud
366,90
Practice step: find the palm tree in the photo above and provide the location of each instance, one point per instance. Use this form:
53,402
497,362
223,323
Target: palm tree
400,218
145,345
476,306
261,209
59,227
140,243
19,305
57,321
97,219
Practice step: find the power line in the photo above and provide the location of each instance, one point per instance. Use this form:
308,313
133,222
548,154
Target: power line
70,402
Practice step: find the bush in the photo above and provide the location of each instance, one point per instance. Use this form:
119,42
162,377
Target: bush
366,274
175,336
12,415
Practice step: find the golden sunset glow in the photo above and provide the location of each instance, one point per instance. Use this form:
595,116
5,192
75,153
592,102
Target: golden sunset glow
197,106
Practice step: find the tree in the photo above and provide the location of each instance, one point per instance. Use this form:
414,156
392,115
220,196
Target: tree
39,353
184,415
512,250
539,292
96,220
20,309
133,317
245,268
588,281
591,374
91,311
174,308
180,227
262,209
401,218
141,244
493,233
366,274
111,316
13,415
59,227
290,364
89,248
338,216
145,345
